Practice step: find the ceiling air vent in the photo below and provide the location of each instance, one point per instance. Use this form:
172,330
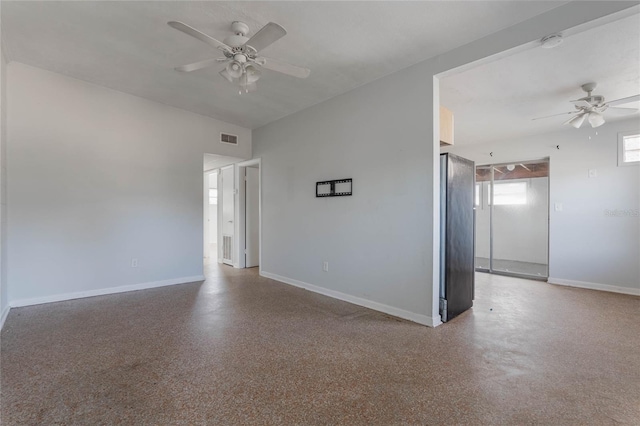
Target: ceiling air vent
226,138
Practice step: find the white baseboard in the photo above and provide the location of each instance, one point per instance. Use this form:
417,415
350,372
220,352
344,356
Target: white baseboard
104,291
396,312
3,316
594,286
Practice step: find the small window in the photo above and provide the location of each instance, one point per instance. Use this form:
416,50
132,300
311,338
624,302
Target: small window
628,148
511,193
213,196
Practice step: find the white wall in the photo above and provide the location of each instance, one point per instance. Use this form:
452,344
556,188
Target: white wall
520,231
586,245
4,299
121,178
381,243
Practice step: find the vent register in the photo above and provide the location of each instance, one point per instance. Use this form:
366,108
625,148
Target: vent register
227,138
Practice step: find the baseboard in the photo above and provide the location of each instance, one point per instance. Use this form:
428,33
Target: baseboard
3,317
594,286
396,312
104,291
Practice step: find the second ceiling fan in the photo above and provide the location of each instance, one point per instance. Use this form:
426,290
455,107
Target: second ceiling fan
591,108
241,54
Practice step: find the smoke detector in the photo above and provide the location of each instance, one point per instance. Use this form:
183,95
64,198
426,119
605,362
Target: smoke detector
551,41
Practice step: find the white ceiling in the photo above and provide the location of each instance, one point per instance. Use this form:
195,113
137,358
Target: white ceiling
497,101
127,46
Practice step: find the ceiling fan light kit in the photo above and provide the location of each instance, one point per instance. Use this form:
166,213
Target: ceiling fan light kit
577,121
243,62
592,107
596,119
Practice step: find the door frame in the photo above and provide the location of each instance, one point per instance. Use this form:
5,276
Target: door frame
206,223
220,213
241,212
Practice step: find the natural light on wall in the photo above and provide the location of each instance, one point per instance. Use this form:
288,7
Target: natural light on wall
508,193
631,148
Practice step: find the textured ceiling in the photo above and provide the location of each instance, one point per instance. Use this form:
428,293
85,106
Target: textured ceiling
498,101
127,46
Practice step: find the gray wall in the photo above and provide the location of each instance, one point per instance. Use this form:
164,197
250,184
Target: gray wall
377,242
121,178
586,244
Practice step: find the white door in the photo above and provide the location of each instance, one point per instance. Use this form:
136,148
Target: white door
228,210
252,223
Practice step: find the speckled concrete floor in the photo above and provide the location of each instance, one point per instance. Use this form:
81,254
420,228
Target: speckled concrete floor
241,349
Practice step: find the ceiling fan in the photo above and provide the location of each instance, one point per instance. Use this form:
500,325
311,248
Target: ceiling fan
592,107
243,62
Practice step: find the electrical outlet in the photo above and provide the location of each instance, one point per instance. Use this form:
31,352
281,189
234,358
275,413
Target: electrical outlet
325,266
134,262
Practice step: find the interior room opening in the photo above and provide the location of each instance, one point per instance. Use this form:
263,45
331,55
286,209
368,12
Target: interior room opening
211,216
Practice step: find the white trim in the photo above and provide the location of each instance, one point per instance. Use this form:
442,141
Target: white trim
621,136
435,205
104,291
3,317
594,286
234,169
242,212
396,312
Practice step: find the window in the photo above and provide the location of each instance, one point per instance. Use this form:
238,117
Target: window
508,193
628,148
477,202
213,196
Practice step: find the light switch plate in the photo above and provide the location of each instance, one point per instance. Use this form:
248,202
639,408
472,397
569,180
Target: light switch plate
558,207
593,173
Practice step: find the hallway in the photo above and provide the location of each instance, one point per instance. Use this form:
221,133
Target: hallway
242,349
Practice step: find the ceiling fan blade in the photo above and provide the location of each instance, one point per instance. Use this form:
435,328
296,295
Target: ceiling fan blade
555,115
635,98
267,35
283,67
198,65
582,103
621,111
180,26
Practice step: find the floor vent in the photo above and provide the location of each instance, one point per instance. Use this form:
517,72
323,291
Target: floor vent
226,247
227,138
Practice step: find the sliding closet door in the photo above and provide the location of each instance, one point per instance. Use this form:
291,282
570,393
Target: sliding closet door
483,218
519,203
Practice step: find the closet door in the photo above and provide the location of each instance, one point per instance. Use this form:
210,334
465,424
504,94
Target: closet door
520,223
483,218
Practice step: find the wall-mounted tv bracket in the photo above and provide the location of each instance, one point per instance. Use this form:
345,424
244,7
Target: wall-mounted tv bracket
334,188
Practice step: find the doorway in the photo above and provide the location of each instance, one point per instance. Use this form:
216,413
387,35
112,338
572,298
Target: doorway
227,212
512,218
250,215
211,216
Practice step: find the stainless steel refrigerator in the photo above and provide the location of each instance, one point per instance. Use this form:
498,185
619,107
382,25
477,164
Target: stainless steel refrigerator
457,226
